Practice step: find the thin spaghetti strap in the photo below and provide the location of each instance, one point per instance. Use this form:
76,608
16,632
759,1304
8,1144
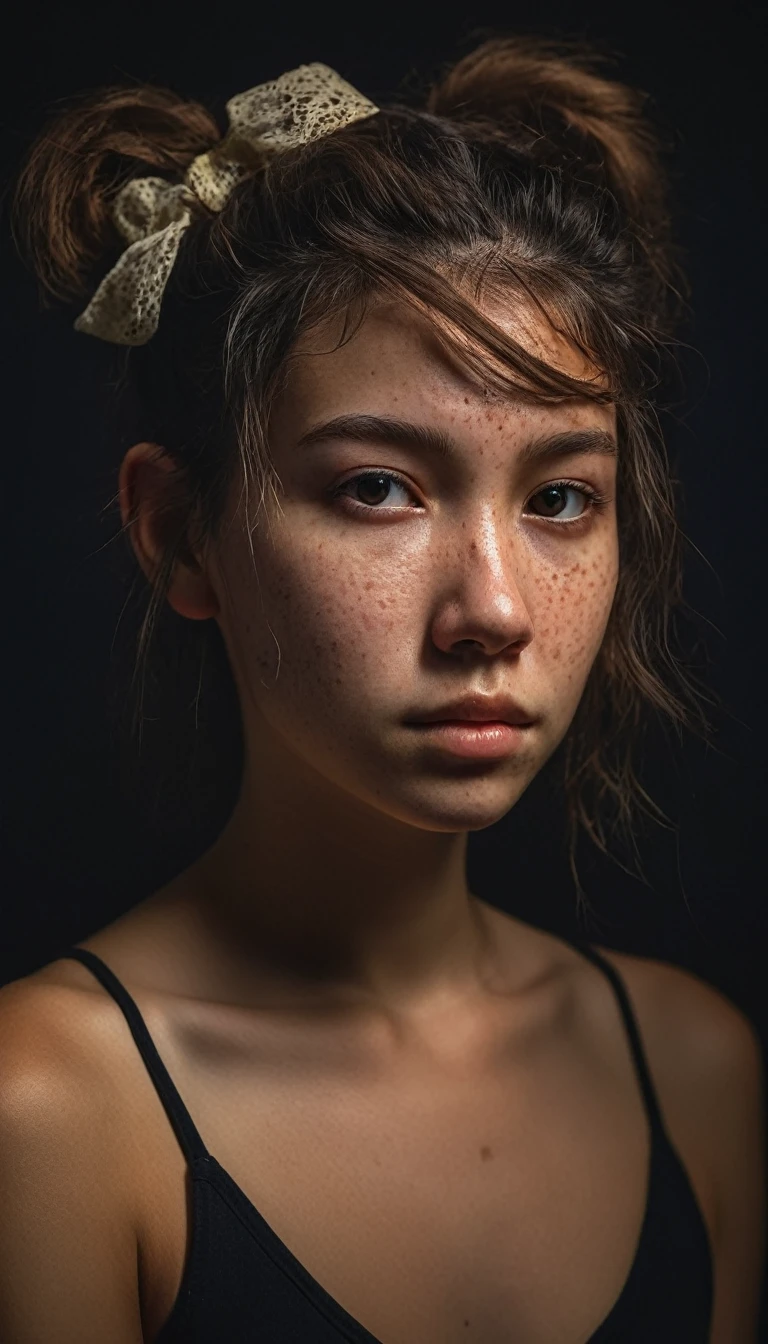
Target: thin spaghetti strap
633,1031
191,1143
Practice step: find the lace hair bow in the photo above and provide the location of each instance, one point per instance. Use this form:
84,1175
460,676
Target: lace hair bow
152,214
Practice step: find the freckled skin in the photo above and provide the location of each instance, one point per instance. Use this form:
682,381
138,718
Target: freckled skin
375,618
341,873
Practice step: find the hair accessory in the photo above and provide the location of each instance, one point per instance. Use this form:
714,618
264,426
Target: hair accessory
152,213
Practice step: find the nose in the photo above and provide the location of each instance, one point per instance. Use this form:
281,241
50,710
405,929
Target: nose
480,606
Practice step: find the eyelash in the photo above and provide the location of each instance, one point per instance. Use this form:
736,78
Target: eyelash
594,498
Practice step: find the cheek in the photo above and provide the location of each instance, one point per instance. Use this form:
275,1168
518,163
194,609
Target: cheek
339,628
573,603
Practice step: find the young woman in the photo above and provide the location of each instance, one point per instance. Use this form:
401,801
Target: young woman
396,369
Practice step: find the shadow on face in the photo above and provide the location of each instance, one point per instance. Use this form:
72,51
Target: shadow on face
435,540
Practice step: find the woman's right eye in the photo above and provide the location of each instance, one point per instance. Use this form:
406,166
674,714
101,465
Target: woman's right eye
373,489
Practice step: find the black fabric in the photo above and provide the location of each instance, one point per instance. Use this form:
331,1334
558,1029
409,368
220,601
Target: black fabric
242,1284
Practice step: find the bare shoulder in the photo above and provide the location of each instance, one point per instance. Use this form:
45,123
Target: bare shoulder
51,1017
68,1241
55,1037
706,1058
695,1021
702,1047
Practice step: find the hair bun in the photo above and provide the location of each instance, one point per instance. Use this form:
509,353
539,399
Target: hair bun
550,99
63,200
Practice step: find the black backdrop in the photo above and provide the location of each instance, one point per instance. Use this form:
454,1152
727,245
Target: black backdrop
84,844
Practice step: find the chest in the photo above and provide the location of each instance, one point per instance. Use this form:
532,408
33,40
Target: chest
433,1208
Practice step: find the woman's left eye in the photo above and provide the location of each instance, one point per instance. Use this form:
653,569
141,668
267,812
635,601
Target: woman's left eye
553,497
374,488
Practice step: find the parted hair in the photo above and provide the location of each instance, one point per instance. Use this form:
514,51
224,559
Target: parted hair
527,169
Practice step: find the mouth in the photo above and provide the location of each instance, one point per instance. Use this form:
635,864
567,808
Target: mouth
474,708
474,739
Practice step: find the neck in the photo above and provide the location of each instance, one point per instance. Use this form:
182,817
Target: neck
325,897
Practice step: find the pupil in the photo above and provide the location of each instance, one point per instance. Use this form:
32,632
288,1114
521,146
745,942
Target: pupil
555,493
376,485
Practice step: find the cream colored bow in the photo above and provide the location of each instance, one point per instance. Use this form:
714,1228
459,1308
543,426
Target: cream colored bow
152,214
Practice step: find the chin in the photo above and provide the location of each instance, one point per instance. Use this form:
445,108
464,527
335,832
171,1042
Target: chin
469,802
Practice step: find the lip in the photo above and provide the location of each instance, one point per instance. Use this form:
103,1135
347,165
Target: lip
474,739
482,709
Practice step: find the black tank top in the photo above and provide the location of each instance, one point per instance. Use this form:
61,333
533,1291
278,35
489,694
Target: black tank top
241,1283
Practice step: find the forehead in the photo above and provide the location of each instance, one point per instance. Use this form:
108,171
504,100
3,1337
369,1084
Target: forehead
398,361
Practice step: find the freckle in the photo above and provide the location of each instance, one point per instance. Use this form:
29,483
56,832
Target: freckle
485,1152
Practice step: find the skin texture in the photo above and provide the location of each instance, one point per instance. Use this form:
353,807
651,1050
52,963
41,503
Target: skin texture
365,1045
339,623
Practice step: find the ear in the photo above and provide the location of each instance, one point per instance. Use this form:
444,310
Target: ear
153,507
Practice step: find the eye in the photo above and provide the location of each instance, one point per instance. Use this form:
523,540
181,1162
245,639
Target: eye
555,502
372,490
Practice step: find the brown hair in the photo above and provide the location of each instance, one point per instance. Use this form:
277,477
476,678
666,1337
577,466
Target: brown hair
529,170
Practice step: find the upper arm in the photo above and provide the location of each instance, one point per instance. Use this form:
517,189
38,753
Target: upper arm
706,1060
737,1119
68,1263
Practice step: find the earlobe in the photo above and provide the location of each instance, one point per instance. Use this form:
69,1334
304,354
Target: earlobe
191,596
153,507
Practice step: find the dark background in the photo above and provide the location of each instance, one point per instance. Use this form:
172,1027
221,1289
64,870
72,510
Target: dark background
85,843
88,836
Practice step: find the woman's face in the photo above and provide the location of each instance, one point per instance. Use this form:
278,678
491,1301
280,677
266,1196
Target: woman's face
412,567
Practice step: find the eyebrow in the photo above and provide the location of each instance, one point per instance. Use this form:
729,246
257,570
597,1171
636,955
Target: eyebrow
389,430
